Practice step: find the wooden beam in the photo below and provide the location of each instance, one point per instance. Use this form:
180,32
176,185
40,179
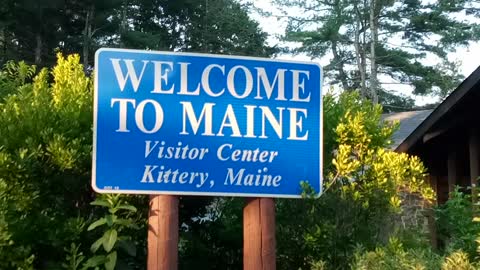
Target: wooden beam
431,135
432,179
445,126
452,169
259,234
163,233
474,149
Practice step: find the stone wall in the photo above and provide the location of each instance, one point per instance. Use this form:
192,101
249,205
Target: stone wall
417,214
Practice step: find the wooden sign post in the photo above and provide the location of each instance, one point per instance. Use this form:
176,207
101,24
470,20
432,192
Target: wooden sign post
163,233
259,234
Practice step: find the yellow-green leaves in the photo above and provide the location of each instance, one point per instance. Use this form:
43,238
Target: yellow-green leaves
45,146
366,170
458,260
70,86
65,153
345,162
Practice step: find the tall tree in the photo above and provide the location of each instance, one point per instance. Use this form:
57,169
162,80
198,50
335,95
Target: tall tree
375,43
224,26
34,30
30,27
85,23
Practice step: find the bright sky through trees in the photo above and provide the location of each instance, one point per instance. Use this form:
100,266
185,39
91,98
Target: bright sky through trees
274,25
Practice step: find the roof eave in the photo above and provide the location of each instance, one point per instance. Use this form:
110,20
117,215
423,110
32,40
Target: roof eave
447,105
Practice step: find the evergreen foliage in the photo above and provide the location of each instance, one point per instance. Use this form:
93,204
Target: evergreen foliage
34,31
375,43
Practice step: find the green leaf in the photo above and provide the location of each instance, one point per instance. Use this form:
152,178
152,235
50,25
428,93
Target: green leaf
109,239
96,245
110,220
97,223
127,207
100,202
95,261
111,261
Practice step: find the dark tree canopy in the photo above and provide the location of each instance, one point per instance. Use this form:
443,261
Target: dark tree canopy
34,31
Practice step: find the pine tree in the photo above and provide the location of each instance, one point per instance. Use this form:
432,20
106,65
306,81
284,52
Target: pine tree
374,43
34,30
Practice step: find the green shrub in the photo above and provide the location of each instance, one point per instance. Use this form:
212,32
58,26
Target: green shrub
362,190
455,226
45,148
395,257
458,260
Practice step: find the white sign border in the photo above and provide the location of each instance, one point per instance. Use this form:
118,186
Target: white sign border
201,193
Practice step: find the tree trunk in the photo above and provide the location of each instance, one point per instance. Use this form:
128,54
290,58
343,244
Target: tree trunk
360,53
206,41
87,36
4,57
364,25
338,65
38,49
373,43
123,23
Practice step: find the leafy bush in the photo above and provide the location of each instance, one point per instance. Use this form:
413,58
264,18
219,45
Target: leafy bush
394,256
213,240
455,226
45,162
458,260
45,127
115,234
362,192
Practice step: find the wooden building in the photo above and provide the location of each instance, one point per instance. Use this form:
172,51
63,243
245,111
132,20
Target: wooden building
446,139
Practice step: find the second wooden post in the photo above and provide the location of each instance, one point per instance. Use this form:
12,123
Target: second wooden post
163,233
259,234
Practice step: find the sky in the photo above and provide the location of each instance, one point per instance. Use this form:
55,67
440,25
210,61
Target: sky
469,58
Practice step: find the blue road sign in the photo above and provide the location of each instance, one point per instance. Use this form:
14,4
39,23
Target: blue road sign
199,124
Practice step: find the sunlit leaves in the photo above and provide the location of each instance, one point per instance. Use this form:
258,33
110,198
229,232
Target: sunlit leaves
45,128
344,162
363,184
366,168
68,74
